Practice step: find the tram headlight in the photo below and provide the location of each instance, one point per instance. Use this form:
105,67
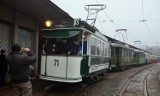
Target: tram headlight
49,23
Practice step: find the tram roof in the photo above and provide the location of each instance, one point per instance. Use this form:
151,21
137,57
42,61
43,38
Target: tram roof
68,30
39,9
139,51
121,45
60,32
63,32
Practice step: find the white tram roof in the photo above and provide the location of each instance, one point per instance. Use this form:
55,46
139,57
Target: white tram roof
121,45
137,50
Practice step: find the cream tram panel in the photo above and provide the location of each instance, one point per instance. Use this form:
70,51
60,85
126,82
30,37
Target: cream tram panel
74,66
61,68
56,66
42,72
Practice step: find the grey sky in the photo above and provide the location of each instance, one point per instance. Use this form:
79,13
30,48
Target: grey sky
126,14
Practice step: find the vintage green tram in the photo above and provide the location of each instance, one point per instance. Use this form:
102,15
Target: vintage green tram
121,56
92,60
139,57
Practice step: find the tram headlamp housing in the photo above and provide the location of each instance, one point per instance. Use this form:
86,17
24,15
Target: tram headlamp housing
49,23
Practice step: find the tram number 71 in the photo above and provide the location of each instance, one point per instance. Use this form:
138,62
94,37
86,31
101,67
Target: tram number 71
56,62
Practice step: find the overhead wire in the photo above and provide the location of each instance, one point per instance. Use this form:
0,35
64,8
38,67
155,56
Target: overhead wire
144,21
101,24
142,4
112,21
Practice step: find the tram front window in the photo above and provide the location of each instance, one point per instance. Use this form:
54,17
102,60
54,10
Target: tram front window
62,41
52,46
62,46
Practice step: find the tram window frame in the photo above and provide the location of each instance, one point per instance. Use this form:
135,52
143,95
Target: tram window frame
98,47
93,46
113,53
106,50
123,52
102,49
130,54
127,52
109,50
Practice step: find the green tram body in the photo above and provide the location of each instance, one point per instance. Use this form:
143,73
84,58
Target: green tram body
139,57
121,56
93,60
147,56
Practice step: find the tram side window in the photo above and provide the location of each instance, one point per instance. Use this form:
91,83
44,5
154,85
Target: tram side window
102,48
98,47
58,46
119,51
93,46
130,53
109,50
125,52
113,52
106,50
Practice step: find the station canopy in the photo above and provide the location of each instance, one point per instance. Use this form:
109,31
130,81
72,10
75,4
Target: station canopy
39,9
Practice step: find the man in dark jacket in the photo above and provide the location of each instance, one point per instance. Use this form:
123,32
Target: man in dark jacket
3,68
19,70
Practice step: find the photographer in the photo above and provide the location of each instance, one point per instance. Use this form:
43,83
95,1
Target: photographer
19,70
31,68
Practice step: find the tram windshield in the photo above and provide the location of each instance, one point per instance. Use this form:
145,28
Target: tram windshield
64,42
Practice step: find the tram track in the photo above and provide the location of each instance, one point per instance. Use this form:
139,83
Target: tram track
97,88
153,86
158,77
129,80
145,85
133,78
84,86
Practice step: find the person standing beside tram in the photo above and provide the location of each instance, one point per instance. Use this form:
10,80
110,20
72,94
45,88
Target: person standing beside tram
19,70
3,68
